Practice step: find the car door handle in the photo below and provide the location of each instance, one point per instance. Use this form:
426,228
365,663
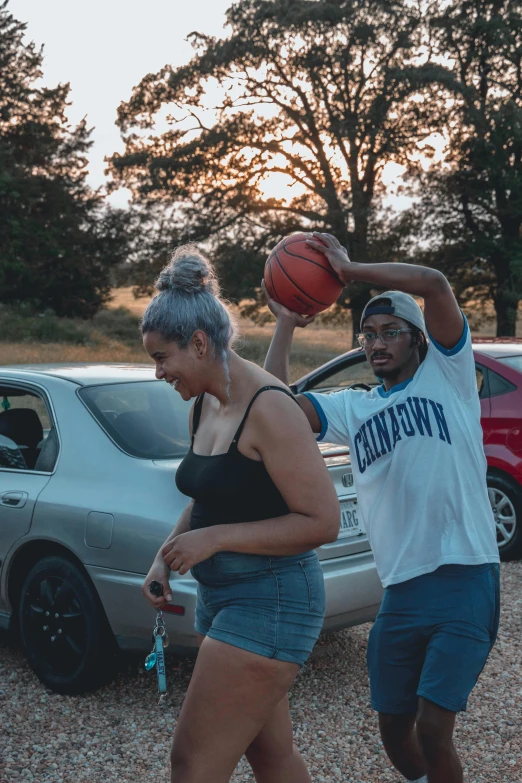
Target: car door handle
14,499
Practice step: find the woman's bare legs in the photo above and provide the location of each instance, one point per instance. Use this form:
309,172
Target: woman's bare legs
231,697
272,754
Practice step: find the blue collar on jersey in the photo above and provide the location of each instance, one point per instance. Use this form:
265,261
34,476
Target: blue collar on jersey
400,386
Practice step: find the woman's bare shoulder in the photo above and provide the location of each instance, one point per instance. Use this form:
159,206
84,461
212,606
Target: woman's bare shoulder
277,403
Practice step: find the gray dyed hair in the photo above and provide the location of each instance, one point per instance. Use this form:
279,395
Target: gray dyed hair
189,300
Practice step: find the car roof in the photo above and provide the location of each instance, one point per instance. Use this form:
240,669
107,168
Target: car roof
83,374
498,347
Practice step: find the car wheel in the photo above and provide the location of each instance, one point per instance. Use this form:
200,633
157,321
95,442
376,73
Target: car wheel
63,629
506,501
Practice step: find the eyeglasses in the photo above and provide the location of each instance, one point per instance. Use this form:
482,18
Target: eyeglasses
386,336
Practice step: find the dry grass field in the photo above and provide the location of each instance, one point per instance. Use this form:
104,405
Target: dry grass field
43,353
312,346
113,336
123,297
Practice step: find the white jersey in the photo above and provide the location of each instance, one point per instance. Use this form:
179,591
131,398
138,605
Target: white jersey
419,465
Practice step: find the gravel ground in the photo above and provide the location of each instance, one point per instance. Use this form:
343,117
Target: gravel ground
120,735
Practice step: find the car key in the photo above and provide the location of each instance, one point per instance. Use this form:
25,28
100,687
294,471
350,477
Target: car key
156,588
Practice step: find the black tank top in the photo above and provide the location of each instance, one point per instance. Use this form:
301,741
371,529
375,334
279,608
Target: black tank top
228,487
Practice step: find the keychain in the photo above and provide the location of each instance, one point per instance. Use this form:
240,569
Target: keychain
156,657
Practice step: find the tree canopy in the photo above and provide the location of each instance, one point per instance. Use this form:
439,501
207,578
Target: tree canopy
471,203
320,93
58,242
284,123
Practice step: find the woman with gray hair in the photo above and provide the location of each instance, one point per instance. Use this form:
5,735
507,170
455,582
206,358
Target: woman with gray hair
262,501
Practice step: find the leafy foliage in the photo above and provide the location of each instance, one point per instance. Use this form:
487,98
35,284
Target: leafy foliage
471,204
320,93
57,241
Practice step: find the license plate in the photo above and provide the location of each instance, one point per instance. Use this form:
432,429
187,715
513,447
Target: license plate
351,523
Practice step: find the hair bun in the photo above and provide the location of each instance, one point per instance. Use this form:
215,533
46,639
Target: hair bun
188,271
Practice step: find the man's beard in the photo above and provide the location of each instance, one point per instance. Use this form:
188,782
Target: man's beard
388,375
393,373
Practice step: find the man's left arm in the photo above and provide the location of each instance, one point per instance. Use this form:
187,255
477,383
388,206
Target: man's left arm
444,319
446,325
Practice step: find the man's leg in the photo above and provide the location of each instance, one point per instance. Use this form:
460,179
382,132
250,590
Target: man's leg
396,652
400,741
422,744
435,735
465,614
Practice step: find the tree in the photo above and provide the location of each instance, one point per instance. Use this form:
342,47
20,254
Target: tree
472,203
239,253
57,241
321,93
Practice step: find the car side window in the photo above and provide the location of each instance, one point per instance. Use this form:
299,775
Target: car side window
480,375
28,438
490,383
499,385
357,370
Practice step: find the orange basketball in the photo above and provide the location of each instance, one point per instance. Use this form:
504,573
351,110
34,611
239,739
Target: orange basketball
301,278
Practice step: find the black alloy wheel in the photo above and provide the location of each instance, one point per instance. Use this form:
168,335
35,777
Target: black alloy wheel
63,628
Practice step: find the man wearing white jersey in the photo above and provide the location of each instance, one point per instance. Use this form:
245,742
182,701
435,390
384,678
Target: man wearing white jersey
420,473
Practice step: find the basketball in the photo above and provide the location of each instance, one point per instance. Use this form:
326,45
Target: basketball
301,278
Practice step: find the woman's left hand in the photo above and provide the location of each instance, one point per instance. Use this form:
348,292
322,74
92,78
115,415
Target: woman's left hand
189,549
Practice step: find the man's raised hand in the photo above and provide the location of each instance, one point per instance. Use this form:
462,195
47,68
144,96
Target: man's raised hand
336,254
280,311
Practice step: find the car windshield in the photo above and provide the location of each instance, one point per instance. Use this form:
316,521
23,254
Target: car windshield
147,419
512,361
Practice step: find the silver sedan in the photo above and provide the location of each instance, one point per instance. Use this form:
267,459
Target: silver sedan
88,455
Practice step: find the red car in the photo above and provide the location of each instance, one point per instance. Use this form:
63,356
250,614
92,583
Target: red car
499,384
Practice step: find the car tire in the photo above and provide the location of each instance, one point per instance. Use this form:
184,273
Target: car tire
64,632
505,496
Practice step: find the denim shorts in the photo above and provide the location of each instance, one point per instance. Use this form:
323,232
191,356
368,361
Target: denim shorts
432,637
272,606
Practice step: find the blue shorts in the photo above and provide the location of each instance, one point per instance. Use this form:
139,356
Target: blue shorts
272,606
432,637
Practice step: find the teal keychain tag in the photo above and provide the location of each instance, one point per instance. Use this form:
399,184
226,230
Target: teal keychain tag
161,640
156,658
160,663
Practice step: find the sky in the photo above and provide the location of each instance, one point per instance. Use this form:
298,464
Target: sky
103,48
